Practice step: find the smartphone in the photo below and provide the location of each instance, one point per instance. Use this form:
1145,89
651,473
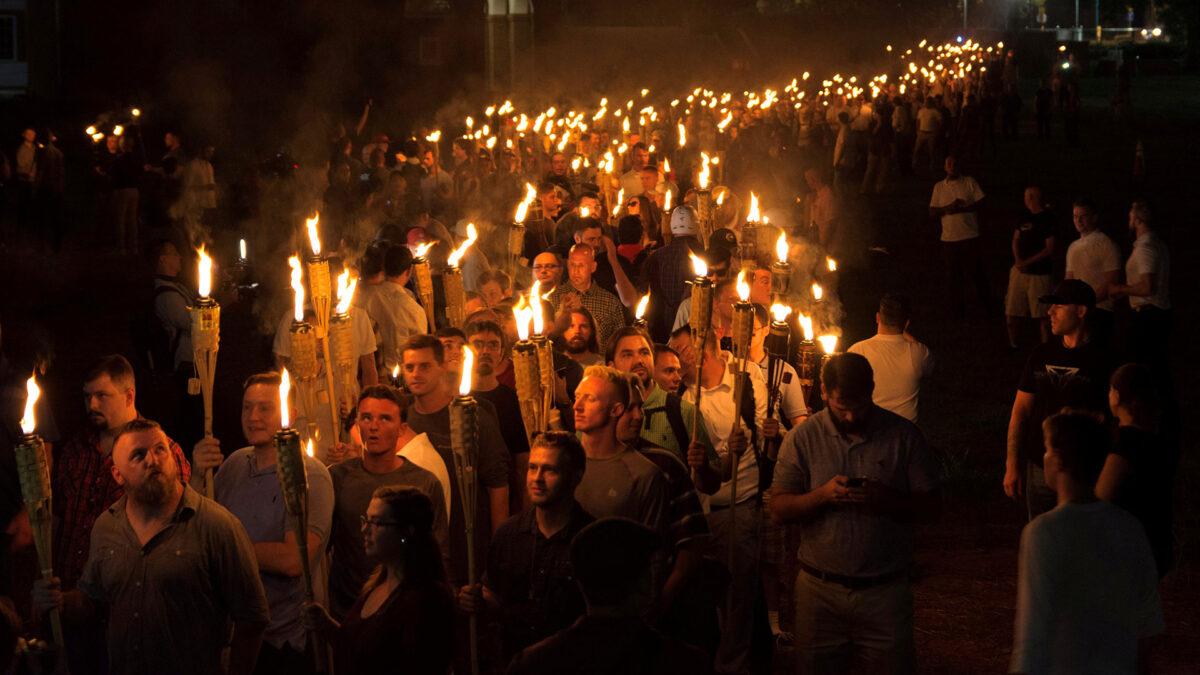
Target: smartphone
858,482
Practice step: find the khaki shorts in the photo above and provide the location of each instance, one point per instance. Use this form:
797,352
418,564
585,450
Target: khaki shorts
1023,293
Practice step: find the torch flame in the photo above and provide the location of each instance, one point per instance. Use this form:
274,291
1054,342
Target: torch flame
831,264
667,201
620,201
666,165
468,365
285,385
641,306
698,265
781,248
345,286
314,238
817,292
522,313
584,211
434,137
396,372
535,306
118,130
753,216
136,112
90,131
308,448
780,312
703,178
33,392
682,135
828,343
743,288
472,235
422,249
242,249
720,198
297,286
204,279
806,327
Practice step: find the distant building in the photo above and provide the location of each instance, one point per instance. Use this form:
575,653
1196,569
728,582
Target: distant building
29,47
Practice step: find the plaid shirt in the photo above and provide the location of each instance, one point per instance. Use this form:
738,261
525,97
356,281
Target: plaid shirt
83,487
604,306
665,272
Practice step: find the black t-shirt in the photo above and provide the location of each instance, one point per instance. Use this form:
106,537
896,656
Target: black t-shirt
1034,229
1147,491
1059,377
508,409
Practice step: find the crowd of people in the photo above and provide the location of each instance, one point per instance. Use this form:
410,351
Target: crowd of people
686,508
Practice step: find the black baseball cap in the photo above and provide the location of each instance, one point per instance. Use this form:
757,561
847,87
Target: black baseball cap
1071,292
723,238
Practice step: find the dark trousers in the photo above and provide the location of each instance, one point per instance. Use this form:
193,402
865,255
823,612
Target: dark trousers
1148,336
963,260
285,659
1101,325
1043,127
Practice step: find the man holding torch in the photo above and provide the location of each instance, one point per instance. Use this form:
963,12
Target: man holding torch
249,487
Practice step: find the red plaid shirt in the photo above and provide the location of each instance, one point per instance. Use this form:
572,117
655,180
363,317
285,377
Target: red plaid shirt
83,487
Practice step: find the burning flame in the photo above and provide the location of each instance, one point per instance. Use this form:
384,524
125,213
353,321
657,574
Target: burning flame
667,201
682,135
297,286
780,312
703,177
314,238
33,392
806,327
522,313
90,131
523,207
434,137
641,306
584,211
625,125
828,343
345,291
422,249
458,253
204,279
721,198
118,130
753,216
781,248
136,112
468,365
743,288
666,165
698,265
620,201
308,448
831,264
285,385
242,249
97,137
817,292
396,372
535,306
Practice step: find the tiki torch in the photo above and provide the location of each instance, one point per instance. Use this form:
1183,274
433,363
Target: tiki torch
341,340
464,439
700,322
781,271
293,481
516,231
639,315
545,355
828,348
748,247
452,280
704,200
424,278
807,357
742,330
206,330
526,371
321,297
34,474
776,346
303,349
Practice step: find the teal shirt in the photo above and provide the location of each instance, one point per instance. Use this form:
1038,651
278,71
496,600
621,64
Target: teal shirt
656,428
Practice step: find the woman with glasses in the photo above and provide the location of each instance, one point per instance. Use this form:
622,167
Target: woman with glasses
404,616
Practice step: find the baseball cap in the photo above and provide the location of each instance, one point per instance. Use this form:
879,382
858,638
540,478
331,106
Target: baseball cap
683,221
612,551
1071,292
723,238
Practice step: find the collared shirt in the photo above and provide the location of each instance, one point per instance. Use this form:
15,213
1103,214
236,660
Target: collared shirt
1090,258
1150,256
898,365
83,486
398,315
532,575
718,407
850,540
957,226
255,497
170,601
604,306
791,392
656,427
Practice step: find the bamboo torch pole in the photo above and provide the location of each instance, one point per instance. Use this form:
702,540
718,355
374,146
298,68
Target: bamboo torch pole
525,369
464,439
33,471
452,280
742,331
341,339
320,292
700,322
303,350
206,334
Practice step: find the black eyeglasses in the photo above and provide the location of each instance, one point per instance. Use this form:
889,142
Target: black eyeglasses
376,523
546,267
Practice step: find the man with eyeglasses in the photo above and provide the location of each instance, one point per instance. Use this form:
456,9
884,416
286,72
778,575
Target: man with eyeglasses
382,426
547,269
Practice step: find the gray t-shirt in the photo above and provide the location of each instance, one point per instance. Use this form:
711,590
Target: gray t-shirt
256,498
170,601
627,485
849,539
353,486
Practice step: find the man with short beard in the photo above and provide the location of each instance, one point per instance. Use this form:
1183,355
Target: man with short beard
487,341
580,338
169,570
854,477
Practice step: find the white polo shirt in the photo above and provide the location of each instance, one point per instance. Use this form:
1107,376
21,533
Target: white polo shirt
957,226
899,366
1089,258
1150,256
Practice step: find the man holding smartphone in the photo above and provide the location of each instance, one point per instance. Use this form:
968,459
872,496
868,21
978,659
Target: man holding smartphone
854,477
